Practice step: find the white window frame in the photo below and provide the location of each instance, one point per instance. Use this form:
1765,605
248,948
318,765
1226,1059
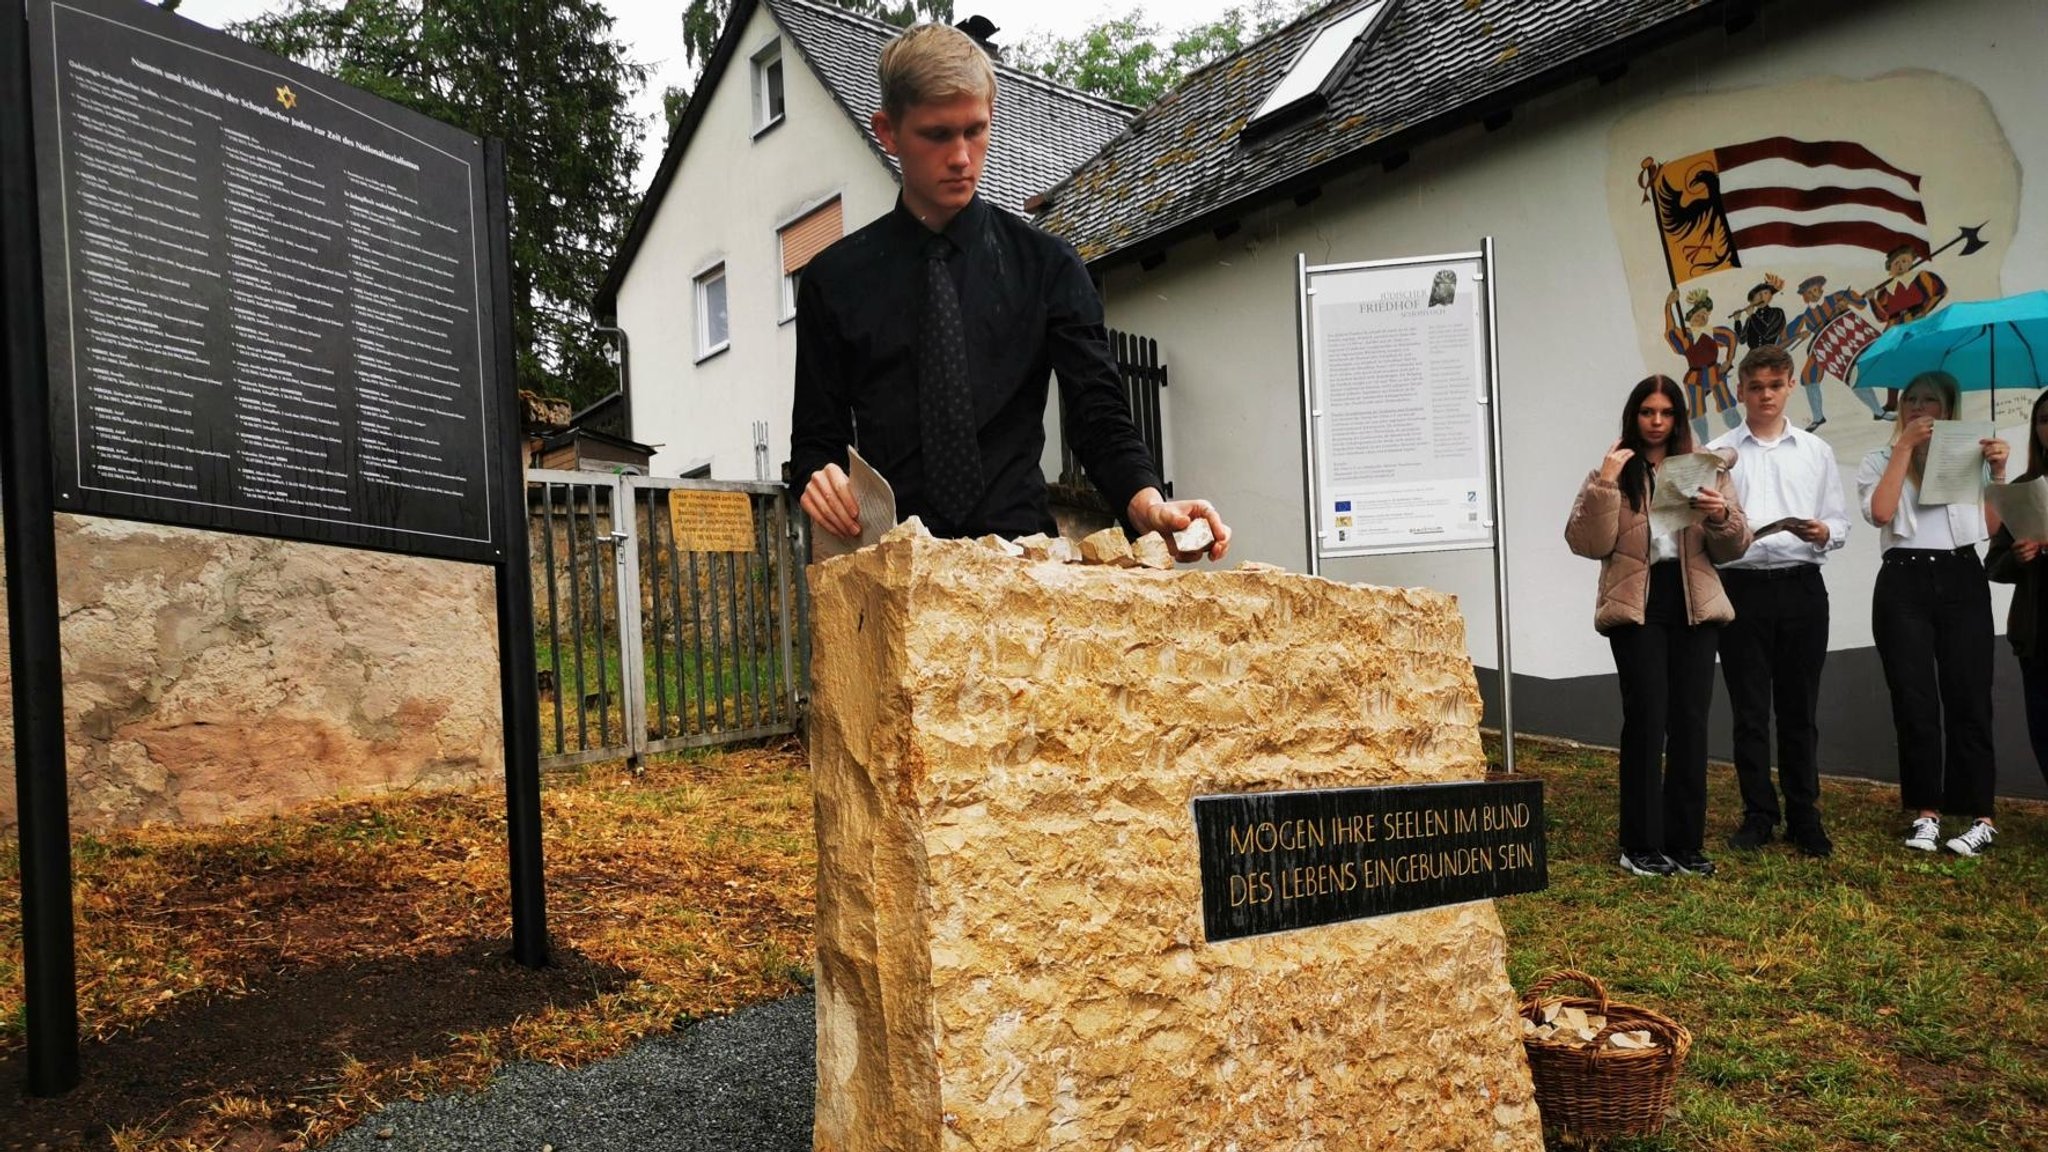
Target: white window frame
1323,60
787,310
768,56
700,293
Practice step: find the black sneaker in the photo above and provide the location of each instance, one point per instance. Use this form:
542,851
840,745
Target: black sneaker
1647,864
1693,862
1811,840
1753,835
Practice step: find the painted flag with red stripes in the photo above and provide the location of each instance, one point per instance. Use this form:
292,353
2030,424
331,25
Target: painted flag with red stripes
1780,202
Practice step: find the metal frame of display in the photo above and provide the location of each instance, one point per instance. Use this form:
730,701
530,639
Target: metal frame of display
27,502
1312,415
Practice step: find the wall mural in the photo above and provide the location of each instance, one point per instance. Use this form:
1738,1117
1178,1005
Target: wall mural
1813,215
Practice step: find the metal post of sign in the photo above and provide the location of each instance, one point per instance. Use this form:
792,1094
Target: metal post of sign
49,960
1309,415
1500,538
518,685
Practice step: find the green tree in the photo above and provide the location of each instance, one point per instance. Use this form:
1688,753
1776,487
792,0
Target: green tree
551,81
703,20
1133,59
675,99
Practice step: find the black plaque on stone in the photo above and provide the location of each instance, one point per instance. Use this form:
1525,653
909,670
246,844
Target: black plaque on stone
1272,861
267,293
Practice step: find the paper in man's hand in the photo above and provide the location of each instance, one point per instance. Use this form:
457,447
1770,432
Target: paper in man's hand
877,502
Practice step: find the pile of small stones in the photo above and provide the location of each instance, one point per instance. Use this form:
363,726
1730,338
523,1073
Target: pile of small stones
1109,546
1564,1024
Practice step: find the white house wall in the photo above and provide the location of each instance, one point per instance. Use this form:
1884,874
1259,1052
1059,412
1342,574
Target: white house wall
1225,314
729,195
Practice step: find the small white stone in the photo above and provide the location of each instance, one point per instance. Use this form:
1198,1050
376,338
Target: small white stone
1196,537
1037,546
1001,545
1108,546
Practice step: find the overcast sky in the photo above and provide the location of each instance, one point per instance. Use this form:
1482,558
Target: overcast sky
653,32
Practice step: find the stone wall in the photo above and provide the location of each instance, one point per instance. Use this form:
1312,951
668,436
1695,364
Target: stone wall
210,676
1010,943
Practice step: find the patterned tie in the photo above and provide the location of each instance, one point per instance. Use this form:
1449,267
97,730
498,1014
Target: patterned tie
945,404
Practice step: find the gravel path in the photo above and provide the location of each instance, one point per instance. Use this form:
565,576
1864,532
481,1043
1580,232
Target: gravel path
735,1082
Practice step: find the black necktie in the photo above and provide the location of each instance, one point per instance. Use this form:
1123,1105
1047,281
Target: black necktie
945,404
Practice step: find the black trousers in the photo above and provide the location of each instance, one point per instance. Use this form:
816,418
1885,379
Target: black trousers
1771,659
1666,669
2034,686
1931,618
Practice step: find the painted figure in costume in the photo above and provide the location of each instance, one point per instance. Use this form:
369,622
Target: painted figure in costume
1709,356
1906,297
1760,322
1822,307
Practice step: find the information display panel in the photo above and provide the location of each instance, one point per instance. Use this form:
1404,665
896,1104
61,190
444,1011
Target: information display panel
1398,374
268,299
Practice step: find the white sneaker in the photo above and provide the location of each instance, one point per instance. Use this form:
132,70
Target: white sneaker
1975,841
1926,834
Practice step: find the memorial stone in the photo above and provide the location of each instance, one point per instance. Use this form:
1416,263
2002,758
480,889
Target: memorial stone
1011,943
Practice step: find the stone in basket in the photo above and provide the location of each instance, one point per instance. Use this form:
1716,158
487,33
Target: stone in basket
1601,1068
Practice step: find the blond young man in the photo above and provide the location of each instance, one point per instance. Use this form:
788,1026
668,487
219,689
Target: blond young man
927,338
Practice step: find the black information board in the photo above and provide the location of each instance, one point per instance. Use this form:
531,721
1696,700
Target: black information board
1272,861
268,294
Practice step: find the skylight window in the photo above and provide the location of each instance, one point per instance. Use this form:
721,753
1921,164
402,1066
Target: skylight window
1322,64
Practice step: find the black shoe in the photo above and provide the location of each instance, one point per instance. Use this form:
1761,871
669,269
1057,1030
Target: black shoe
1693,862
1647,864
1753,835
1811,840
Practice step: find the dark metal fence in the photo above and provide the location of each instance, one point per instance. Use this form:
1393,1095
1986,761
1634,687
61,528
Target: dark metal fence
646,644
1144,379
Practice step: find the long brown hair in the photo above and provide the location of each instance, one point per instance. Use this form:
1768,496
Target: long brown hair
2037,456
1635,475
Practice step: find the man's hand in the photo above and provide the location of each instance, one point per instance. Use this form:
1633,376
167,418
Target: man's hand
828,498
1813,532
2025,550
1151,512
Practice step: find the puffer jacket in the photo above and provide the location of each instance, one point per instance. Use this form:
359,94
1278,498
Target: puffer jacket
1603,527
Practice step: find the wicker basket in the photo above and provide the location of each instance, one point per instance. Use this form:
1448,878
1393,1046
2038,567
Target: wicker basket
1595,1090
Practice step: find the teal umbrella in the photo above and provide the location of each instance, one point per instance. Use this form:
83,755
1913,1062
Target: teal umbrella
1984,344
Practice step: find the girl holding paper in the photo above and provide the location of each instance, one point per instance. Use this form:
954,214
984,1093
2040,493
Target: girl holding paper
1931,617
1661,607
2024,564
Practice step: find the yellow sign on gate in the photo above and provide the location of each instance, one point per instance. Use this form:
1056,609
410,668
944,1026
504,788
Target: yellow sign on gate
711,521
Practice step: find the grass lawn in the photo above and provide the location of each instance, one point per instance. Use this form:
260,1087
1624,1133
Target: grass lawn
296,972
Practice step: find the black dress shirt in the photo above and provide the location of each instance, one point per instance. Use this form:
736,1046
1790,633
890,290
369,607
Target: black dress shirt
1029,311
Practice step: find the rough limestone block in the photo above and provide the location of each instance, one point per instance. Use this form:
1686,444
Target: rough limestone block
1108,546
1063,550
1150,551
1010,948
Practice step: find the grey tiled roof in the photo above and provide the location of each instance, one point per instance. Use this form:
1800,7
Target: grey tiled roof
1433,66
1042,130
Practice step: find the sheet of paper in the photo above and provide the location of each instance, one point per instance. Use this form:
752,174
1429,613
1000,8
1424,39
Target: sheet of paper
1954,473
2023,507
1678,478
877,501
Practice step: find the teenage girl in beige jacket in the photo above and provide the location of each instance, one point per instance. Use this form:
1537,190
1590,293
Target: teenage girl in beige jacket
1661,607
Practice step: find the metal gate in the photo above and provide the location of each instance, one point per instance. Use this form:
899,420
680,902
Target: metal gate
644,644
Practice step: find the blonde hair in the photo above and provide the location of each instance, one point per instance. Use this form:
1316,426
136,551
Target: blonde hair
933,62
1951,393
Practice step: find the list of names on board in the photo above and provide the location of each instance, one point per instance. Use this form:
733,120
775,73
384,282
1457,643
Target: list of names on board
267,303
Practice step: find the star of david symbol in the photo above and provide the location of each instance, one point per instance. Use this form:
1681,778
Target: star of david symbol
287,97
